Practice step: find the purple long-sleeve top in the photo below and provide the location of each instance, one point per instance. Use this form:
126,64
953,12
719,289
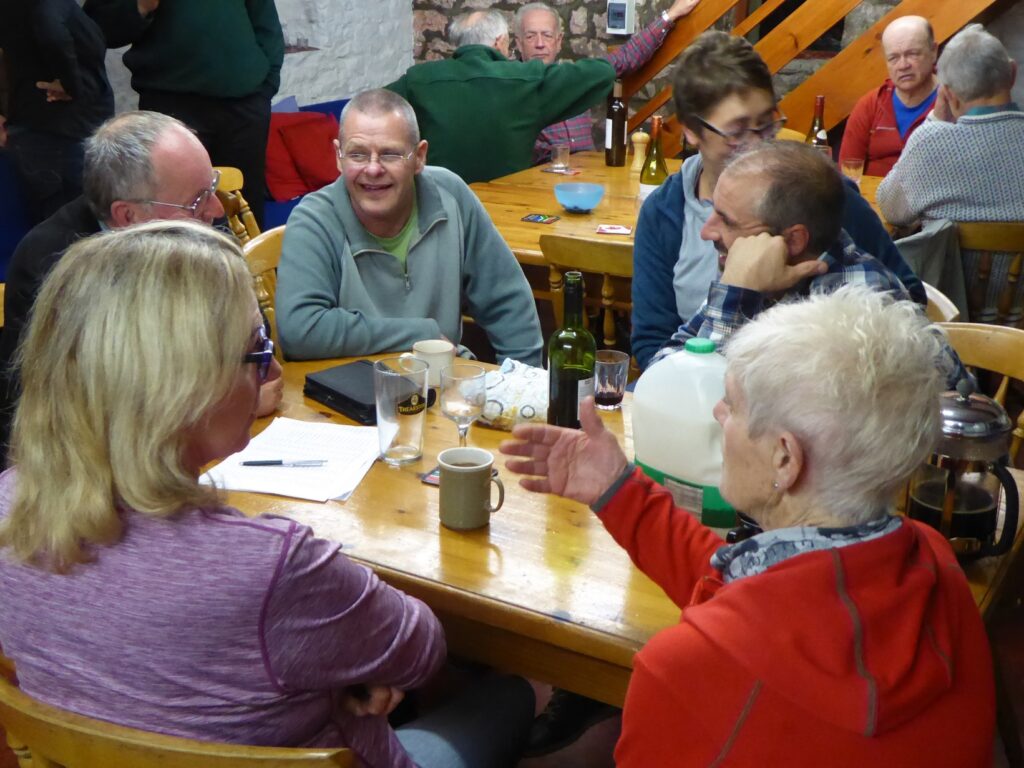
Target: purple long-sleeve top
215,626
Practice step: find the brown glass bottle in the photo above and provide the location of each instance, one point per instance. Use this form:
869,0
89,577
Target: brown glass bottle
615,128
654,171
817,136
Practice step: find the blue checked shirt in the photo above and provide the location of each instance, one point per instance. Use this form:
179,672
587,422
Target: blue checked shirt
729,307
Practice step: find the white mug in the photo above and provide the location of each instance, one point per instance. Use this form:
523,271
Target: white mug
436,353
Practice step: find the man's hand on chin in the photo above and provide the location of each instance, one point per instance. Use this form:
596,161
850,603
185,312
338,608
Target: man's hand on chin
761,263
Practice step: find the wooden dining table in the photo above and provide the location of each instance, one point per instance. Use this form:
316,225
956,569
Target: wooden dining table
543,591
509,198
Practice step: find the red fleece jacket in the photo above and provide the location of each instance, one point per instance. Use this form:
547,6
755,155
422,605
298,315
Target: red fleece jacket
872,133
872,654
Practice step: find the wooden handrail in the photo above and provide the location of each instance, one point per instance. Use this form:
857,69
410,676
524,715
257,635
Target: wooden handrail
756,17
686,29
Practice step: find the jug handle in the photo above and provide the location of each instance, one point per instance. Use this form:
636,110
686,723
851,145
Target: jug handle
1011,504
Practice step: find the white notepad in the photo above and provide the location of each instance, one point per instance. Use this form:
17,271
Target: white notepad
349,453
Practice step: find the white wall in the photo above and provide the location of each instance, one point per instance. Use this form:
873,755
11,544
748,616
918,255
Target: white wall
355,44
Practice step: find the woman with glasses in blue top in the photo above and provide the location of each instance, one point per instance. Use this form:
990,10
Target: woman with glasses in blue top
132,593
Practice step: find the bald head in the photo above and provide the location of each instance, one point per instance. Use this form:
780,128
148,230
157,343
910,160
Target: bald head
915,26
910,51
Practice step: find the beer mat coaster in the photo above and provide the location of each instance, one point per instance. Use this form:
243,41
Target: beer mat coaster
562,171
613,229
540,218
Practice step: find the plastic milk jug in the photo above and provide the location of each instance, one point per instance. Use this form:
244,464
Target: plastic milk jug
677,441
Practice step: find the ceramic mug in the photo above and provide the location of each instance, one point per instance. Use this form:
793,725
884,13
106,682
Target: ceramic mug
466,479
436,353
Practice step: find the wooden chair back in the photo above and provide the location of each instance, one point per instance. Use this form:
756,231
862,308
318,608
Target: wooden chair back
611,259
46,737
992,240
263,253
993,348
941,308
236,209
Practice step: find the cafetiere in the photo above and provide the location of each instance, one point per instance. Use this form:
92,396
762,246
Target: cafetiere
957,490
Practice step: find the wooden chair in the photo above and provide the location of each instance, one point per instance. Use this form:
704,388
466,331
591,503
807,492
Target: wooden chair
992,240
1001,350
263,253
611,259
46,737
941,308
236,209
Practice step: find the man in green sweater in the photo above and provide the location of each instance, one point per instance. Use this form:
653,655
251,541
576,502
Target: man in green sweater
212,65
481,111
395,251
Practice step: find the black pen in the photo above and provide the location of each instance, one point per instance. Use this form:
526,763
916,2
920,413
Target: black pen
283,463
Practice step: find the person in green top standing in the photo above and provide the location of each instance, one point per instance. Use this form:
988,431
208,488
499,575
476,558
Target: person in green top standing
481,111
212,65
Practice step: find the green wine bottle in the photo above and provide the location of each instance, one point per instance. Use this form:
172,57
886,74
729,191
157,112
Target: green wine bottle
654,171
571,354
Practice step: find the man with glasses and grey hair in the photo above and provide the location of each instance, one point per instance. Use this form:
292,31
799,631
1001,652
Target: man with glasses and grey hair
139,166
538,29
884,118
776,226
395,251
481,111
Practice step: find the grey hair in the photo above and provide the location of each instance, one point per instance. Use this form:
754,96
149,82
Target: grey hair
525,9
118,159
853,375
975,65
804,187
381,101
477,28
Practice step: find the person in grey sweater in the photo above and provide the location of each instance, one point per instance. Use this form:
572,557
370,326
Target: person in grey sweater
396,251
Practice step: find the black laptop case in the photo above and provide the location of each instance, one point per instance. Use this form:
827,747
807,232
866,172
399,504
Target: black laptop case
347,388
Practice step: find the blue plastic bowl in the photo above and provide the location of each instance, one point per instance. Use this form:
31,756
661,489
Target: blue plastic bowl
578,197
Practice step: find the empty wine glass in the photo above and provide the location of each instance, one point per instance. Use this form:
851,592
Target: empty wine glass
463,395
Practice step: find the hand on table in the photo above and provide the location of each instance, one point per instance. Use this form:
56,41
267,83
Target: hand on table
54,90
761,263
372,700
579,464
680,8
271,393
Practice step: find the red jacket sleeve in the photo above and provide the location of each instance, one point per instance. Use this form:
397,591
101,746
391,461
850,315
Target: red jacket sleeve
667,543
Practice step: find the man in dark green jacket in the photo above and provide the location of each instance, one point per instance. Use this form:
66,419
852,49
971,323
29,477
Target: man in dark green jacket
481,112
212,65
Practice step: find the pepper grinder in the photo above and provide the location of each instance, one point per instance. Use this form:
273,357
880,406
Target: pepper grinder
640,140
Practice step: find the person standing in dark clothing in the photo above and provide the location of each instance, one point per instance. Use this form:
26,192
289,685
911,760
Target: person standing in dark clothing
212,65
59,94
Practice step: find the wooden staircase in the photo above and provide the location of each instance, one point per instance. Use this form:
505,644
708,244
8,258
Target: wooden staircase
842,80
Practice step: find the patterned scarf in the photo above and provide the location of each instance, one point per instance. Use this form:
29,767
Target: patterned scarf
758,553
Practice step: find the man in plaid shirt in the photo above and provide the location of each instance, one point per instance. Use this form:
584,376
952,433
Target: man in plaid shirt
539,36
777,228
